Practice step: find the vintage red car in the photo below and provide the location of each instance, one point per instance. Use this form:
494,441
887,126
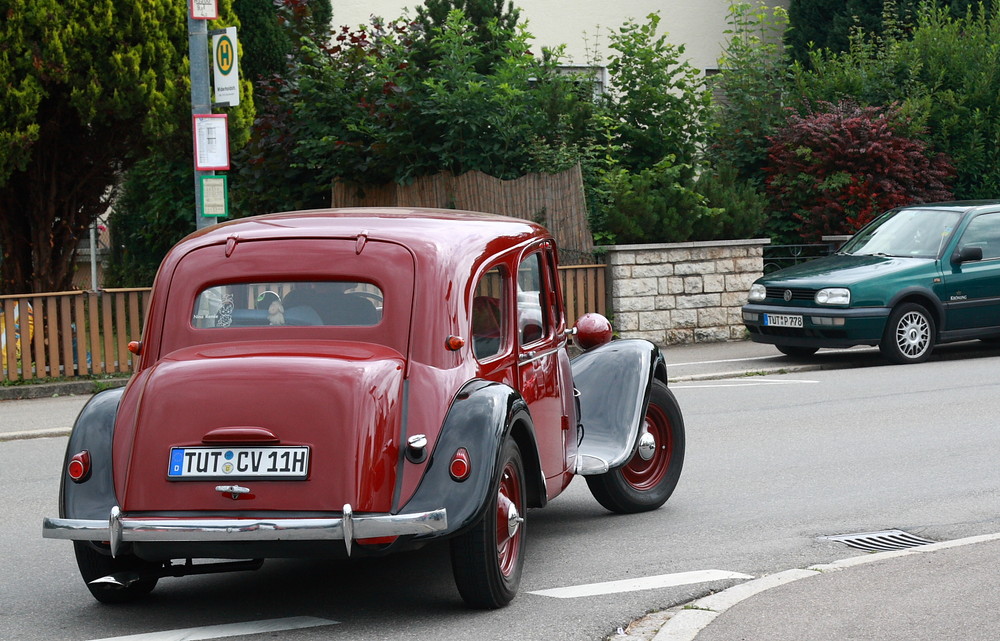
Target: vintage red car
357,382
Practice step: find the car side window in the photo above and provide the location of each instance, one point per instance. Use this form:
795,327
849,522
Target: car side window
984,231
532,292
489,313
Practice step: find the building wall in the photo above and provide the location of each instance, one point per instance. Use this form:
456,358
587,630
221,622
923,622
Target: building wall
683,292
699,25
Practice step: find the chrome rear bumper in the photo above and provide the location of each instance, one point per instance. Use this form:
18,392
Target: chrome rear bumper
118,528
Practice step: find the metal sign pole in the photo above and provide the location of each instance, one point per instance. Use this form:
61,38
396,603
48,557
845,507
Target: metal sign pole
201,100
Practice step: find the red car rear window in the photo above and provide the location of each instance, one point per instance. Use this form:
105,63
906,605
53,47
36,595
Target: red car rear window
338,303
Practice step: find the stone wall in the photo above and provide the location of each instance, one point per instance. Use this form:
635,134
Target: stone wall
683,292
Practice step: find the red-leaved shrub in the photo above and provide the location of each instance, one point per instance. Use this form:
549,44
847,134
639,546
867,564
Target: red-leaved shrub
832,171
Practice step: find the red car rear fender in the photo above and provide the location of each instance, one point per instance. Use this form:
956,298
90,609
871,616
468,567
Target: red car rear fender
482,416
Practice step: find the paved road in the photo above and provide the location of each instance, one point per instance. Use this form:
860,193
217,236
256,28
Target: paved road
941,591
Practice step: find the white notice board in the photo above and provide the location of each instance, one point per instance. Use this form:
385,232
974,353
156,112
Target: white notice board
204,9
211,142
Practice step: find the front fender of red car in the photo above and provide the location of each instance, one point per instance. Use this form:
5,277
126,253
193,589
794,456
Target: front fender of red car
612,415
482,416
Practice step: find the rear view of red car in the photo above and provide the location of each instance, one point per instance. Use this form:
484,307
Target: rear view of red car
357,382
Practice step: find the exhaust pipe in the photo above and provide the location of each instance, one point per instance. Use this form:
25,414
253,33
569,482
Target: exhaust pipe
127,578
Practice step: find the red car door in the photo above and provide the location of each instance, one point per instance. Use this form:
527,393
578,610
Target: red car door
543,365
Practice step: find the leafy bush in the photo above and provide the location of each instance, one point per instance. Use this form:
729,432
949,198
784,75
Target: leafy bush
750,89
657,204
832,171
829,24
359,109
153,212
657,99
738,209
943,77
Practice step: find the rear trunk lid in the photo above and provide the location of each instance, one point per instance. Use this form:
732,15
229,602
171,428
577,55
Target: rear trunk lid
289,426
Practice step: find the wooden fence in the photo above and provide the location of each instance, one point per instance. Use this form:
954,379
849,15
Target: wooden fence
69,334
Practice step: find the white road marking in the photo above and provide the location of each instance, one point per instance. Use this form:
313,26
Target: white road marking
642,583
227,630
747,382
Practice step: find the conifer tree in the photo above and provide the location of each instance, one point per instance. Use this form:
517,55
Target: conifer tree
89,87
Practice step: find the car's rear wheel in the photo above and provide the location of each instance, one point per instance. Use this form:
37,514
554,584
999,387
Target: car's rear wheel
797,352
488,559
909,334
94,564
650,476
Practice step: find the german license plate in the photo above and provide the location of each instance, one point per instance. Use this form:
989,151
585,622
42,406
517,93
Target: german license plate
238,462
782,320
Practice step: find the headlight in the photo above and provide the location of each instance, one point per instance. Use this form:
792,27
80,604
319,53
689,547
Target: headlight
833,296
757,293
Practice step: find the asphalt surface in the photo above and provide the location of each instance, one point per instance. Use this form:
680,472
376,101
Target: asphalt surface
940,591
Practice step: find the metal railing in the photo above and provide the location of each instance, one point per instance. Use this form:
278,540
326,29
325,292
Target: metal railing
780,256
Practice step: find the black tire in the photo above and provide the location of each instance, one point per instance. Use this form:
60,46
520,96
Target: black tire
486,562
909,335
94,564
645,484
796,352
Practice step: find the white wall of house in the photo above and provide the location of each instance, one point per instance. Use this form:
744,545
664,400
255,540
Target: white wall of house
699,25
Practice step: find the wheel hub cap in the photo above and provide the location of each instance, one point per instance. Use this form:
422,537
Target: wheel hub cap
513,520
647,446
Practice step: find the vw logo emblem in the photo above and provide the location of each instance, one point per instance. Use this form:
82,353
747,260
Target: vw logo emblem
788,295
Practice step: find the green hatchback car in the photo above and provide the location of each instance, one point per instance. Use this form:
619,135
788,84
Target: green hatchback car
912,278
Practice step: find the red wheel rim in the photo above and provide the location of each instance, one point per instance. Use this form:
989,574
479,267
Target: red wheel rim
644,475
509,519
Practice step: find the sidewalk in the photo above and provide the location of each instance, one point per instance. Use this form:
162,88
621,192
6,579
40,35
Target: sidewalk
939,592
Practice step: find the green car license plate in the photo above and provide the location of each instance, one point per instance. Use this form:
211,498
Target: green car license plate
782,320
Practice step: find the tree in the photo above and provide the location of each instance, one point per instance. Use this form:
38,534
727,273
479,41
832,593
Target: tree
750,90
93,81
828,24
488,18
91,85
832,171
657,97
265,46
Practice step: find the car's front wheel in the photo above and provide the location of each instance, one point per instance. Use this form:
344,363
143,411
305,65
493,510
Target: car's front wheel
909,334
796,352
95,564
487,560
650,476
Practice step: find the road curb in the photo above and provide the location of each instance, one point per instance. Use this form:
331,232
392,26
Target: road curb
62,388
26,434
694,617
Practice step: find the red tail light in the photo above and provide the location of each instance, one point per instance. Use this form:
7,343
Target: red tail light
461,465
79,466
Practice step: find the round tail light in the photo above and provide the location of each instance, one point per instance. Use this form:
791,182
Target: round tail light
461,465
79,466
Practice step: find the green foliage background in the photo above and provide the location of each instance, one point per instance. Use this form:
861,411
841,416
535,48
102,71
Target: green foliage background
667,155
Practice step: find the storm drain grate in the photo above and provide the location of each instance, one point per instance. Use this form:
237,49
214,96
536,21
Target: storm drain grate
880,541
